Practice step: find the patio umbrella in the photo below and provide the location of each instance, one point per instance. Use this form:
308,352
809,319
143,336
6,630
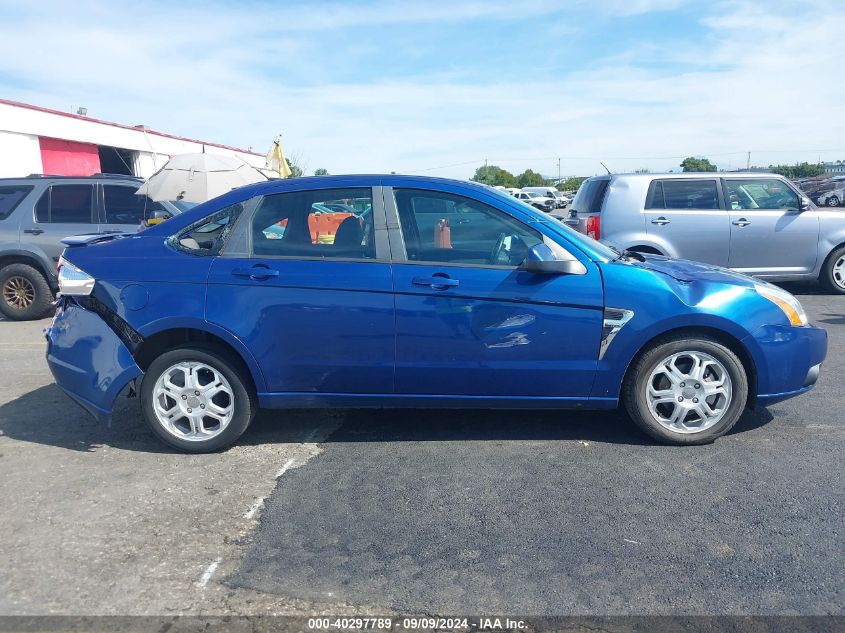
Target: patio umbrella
199,177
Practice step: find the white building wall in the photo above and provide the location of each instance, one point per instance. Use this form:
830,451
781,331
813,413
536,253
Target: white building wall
17,123
20,155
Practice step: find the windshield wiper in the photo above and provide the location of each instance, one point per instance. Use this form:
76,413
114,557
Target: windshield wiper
620,254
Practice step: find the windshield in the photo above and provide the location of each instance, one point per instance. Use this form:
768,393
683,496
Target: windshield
182,206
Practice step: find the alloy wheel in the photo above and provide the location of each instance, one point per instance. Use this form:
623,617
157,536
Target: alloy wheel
839,272
193,401
18,293
833,201
689,392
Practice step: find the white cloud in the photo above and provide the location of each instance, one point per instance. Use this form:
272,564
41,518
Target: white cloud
764,78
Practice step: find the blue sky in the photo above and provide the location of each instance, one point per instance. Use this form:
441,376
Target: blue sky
437,87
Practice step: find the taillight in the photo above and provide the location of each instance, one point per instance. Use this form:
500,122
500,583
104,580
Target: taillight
74,281
594,227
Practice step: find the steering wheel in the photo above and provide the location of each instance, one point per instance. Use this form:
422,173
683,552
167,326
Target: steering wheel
499,249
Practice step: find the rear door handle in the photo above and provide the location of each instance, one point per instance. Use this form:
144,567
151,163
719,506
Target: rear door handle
34,231
437,282
661,221
258,273
741,222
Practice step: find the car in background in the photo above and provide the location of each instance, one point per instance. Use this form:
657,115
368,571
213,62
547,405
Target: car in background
758,224
37,212
550,192
832,198
537,200
454,295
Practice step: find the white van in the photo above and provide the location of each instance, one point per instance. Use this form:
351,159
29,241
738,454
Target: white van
549,192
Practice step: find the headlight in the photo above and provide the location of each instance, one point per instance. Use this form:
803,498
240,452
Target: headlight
73,280
785,301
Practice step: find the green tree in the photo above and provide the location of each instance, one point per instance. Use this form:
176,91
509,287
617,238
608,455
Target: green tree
530,178
494,176
571,184
798,170
691,163
295,170
321,172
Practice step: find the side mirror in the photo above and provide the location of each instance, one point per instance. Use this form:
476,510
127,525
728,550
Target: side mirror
804,204
158,217
542,260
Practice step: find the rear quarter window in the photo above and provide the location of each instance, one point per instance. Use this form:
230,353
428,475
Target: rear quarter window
10,197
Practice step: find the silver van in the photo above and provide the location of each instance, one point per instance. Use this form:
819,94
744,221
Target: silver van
758,224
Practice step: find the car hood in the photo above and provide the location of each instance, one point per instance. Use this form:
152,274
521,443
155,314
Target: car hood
688,271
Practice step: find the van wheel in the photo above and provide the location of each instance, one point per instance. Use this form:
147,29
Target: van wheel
686,390
196,399
833,272
26,295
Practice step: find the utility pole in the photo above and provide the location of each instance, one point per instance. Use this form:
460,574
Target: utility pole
558,171
748,162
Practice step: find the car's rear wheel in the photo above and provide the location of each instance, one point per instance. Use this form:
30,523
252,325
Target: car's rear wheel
686,390
197,399
833,201
833,271
24,293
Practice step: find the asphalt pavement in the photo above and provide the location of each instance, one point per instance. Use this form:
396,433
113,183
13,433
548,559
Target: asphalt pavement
546,513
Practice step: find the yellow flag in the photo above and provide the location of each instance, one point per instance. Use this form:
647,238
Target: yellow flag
276,160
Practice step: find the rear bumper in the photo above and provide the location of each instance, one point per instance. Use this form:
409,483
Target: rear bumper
793,358
88,360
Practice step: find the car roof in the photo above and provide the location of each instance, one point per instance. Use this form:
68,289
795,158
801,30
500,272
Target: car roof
93,177
693,174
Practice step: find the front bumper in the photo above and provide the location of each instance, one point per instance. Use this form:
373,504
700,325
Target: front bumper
88,360
792,361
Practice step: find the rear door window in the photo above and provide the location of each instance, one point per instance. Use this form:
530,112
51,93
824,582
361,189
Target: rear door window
10,198
687,194
66,204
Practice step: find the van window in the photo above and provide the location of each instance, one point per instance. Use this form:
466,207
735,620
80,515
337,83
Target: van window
761,193
590,196
10,198
683,194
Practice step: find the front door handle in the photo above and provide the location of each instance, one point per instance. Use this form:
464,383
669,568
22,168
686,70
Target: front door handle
257,273
436,281
661,221
34,231
741,222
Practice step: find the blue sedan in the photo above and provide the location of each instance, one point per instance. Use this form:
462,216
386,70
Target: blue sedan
427,293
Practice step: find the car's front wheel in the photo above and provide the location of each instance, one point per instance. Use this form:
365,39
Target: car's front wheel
686,390
833,271
197,399
833,201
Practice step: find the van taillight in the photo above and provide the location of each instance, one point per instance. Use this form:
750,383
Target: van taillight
594,227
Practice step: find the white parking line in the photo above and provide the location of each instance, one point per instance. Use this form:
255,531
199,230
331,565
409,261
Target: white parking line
285,467
209,572
254,508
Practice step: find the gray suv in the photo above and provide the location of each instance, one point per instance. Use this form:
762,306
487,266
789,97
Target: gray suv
36,212
758,224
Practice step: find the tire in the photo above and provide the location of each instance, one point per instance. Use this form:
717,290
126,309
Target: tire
24,293
833,201
832,276
650,368
234,396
